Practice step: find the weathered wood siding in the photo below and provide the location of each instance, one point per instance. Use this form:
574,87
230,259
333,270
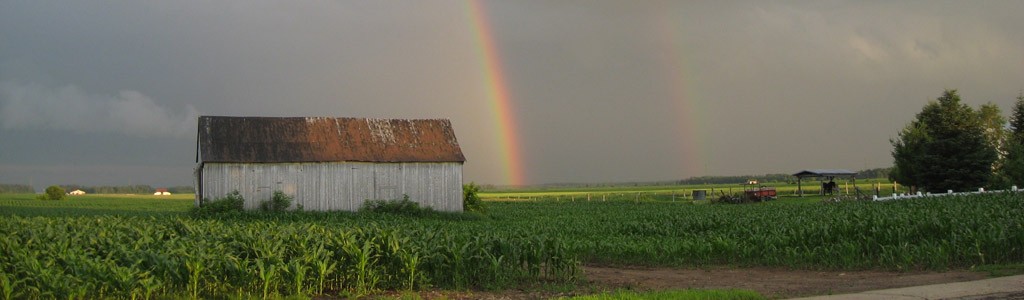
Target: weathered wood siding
336,185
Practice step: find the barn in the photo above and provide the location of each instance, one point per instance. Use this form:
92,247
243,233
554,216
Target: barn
329,164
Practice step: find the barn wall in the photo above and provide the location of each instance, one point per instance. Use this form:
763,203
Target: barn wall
337,186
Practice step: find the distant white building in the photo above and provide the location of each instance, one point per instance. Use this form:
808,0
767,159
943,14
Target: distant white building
77,193
161,192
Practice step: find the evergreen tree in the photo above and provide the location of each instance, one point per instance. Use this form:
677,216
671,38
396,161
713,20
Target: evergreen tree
906,153
993,122
1013,165
1017,120
944,148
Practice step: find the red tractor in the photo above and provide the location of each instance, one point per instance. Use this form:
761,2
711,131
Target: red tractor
756,193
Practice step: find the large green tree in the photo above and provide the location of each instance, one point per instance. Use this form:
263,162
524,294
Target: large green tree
1012,169
1017,120
993,123
945,147
907,151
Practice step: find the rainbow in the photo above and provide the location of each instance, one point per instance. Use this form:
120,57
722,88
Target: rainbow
497,94
692,140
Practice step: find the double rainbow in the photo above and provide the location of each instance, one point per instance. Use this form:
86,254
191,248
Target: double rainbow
690,138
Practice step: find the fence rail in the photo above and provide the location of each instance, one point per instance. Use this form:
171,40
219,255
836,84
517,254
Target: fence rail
1013,189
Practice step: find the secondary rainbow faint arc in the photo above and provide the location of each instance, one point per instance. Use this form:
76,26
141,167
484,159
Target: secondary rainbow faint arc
497,93
693,140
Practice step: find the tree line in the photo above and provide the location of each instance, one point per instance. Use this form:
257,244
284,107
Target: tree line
867,173
126,189
697,180
952,146
16,189
111,189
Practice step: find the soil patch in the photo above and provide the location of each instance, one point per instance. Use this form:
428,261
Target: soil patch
770,282
774,283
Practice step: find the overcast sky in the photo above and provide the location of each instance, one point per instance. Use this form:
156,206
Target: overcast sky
108,92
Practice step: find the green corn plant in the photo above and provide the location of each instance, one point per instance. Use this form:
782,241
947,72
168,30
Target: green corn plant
324,267
364,260
149,286
453,255
533,258
297,270
8,286
410,264
269,248
195,266
978,252
236,269
82,291
267,274
495,270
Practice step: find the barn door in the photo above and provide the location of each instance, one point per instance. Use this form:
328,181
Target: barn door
361,185
385,181
261,181
265,193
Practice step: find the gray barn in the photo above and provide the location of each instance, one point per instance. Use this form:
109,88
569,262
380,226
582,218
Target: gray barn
329,163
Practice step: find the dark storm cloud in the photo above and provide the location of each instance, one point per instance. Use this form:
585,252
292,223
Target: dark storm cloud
774,86
69,108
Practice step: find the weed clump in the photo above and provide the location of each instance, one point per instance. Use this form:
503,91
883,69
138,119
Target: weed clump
471,200
402,206
279,202
233,202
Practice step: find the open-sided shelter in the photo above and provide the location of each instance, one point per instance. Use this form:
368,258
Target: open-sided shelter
822,173
329,163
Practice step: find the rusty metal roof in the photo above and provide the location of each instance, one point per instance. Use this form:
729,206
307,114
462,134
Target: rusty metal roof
269,139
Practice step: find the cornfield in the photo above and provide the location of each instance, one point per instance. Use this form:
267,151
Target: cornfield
928,233
140,257
75,252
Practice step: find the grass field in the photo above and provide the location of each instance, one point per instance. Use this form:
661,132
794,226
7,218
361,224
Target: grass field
811,188
140,246
122,205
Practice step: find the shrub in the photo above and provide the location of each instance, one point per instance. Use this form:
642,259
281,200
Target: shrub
232,202
53,192
402,206
279,202
471,200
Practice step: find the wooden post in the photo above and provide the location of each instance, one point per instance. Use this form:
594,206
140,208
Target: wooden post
799,188
855,190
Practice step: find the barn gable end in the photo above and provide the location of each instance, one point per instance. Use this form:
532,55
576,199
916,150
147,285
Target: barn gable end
329,163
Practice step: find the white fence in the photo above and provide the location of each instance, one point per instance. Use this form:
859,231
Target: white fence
948,193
